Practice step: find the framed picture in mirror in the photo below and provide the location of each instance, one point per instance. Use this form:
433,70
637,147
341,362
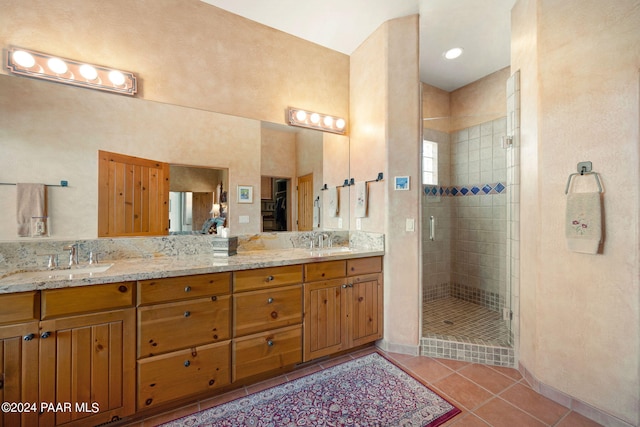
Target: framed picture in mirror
245,194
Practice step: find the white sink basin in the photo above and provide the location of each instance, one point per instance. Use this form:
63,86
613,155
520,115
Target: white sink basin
330,251
69,273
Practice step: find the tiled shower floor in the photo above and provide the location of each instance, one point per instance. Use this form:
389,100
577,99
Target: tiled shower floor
455,319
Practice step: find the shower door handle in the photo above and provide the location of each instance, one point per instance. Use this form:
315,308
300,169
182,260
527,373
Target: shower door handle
432,228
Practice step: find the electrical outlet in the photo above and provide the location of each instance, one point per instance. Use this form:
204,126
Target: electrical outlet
358,223
339,222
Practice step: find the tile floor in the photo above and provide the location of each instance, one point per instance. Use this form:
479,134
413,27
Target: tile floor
450,317
487,395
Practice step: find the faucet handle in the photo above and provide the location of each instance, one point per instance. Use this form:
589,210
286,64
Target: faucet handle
52,262
93,257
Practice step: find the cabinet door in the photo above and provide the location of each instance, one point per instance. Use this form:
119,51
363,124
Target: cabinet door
325,326
19,372
88,362
365,308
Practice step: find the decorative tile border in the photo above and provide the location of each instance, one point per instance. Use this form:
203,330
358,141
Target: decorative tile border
466,190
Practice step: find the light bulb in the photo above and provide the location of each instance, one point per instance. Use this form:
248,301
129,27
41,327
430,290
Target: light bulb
315,118
88,72
453,53
57,65
24,59
301,116
116,77
328,121
340,123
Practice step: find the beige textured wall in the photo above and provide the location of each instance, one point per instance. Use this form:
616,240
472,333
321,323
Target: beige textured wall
187,52
581,313
436,108
480,102
184,52
385,136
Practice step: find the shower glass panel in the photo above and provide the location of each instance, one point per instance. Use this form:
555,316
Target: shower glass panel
465,288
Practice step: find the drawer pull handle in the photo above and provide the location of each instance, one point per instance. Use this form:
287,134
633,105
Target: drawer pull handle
270,343
344,286
187,313
29,337
123,288
270,278
148,402
270,300
274,314
187,289
45,334
214,298
187,363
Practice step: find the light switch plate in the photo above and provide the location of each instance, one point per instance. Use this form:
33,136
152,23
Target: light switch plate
358,223
339,222
243,219
410,224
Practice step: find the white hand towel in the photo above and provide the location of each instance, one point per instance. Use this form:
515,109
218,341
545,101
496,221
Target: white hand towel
583,227
31,201
334,201
361,199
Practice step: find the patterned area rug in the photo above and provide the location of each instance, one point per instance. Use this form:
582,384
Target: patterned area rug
366,392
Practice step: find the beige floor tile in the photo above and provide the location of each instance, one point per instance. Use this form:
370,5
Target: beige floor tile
427,368
464,391
573,419
486,377
535,404
498,413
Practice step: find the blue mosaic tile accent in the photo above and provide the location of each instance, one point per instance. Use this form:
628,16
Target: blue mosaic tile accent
464,190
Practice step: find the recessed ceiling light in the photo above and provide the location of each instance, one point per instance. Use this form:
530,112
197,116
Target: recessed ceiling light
453,53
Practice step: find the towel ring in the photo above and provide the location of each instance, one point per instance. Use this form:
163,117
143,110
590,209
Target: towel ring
595,174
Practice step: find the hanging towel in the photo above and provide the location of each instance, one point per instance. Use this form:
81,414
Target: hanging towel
316,212
31,201
334,201
361,199
583,227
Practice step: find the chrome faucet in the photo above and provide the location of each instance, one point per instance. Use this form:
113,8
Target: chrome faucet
73,254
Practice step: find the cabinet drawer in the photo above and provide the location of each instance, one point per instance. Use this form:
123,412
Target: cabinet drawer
266,352
183,373
183,287
85,299
249,280
172,326
364,266
20,307
325,270
267,309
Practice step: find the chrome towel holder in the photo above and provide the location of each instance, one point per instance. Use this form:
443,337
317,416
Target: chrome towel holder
584,168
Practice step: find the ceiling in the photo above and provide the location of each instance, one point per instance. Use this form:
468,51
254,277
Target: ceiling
481,27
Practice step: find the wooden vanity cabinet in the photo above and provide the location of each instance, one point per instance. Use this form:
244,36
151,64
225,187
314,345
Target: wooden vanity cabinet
87,360
267,324
184,331
19,355
345,310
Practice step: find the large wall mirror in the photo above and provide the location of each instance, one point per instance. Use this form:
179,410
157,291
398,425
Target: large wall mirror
51,132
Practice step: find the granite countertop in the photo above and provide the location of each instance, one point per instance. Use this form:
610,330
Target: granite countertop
172,266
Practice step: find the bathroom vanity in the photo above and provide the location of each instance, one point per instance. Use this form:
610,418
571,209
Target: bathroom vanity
150,334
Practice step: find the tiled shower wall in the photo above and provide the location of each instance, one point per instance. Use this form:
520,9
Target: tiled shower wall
467,259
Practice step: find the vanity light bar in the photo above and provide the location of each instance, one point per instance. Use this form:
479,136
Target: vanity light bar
53,68
309,119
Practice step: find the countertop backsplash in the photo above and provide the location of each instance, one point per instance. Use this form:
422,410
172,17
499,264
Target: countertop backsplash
33,254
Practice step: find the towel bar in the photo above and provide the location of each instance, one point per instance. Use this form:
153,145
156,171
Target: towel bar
595,174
